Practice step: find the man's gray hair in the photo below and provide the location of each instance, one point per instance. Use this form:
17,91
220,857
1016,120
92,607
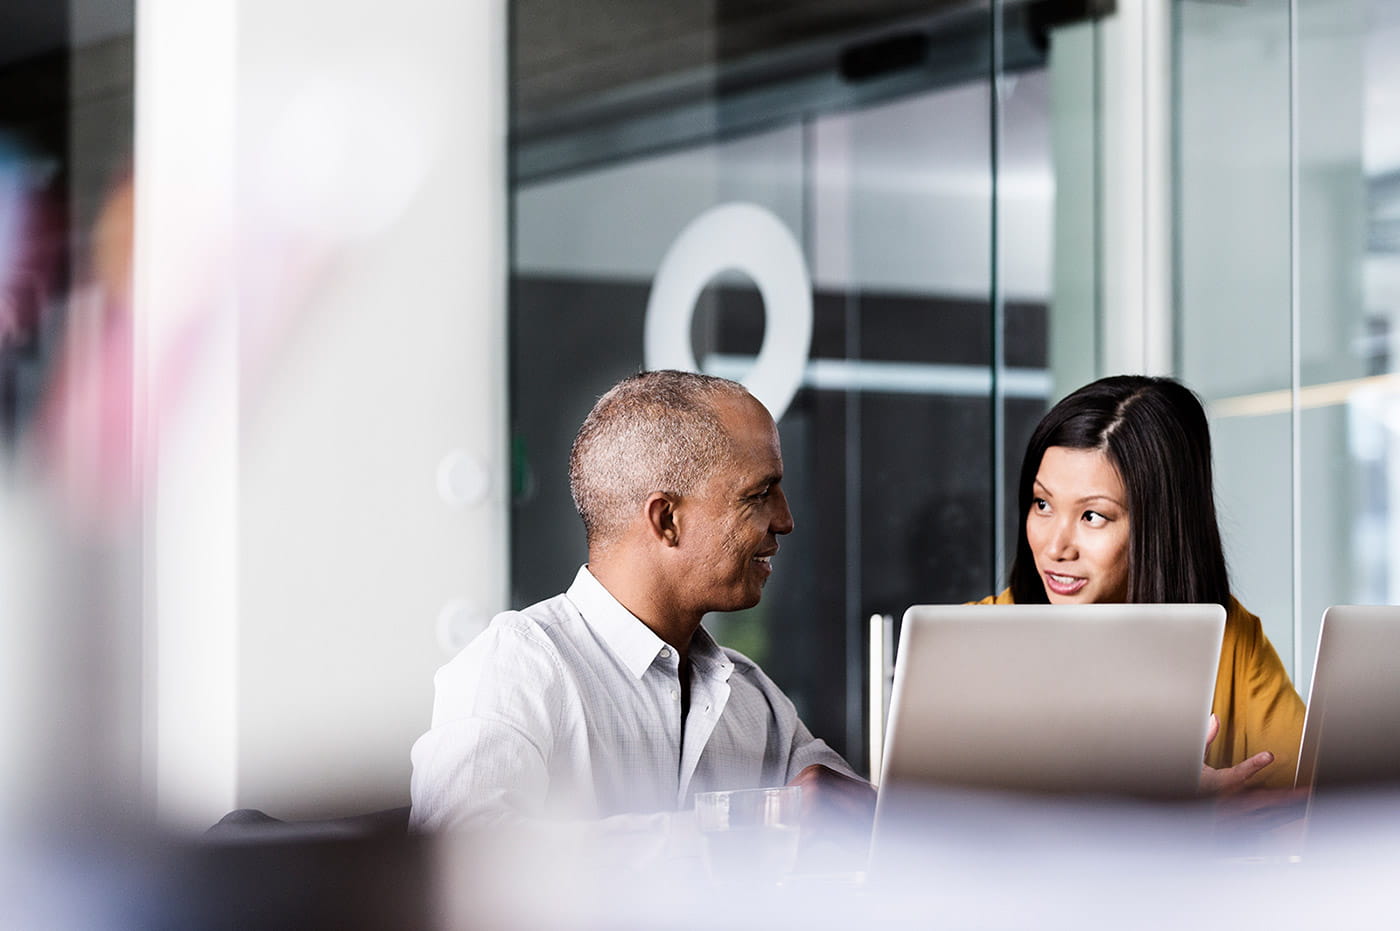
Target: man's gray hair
657,431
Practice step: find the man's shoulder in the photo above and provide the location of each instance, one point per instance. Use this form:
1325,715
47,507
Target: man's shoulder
541,617
751,687
746,668
534,630
742,664
518,653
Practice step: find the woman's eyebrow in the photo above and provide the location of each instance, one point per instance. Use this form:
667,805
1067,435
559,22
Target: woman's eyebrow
1100,497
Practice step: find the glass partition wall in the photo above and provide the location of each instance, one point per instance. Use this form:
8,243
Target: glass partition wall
848,206
959,183
1287,154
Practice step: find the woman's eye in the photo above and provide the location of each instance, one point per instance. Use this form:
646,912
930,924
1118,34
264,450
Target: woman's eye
1094,519
1040,504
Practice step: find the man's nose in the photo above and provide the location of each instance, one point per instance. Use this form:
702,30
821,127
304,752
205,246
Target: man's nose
782,520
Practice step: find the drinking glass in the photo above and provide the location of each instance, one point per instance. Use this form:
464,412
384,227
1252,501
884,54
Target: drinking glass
750,835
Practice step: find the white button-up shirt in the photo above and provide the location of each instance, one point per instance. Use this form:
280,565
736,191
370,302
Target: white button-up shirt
571,709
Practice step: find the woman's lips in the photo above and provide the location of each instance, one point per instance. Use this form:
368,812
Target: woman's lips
1062,584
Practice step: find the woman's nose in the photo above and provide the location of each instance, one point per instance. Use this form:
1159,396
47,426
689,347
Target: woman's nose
1062,544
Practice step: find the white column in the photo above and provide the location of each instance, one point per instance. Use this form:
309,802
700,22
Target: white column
185,293
1110,83
373,481
1135,270
322,349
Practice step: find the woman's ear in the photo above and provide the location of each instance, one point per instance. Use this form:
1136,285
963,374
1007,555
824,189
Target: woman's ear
663,523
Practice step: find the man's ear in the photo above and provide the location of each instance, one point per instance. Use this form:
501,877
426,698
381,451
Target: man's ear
662,522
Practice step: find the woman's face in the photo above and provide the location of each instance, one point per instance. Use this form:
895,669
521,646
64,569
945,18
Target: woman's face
1078,527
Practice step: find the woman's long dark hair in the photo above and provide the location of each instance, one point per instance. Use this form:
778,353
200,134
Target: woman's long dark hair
1154,432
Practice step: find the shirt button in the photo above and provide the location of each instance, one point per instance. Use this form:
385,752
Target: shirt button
665,652
675,694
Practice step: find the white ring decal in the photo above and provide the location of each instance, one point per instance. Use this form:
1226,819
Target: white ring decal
748,239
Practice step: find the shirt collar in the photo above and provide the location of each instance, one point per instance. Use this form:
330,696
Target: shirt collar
634,642
709,657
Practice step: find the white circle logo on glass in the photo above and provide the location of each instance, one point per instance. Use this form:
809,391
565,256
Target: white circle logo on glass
749,239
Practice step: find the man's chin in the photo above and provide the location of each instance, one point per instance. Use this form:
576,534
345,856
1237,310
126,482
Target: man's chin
745,601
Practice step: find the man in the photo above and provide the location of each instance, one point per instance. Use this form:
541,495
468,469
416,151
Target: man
610,702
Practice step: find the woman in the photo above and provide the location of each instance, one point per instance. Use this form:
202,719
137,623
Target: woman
1119,506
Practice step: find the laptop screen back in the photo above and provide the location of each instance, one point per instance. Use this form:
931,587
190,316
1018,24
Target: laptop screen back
1351,735
1047,698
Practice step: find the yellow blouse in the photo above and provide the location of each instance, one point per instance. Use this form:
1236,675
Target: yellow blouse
1254,700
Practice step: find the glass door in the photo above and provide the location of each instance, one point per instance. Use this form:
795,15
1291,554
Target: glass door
851,214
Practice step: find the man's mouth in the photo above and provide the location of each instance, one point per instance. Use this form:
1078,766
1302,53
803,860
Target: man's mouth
1064,584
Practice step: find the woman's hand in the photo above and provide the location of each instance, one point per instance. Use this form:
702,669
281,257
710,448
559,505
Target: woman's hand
1224,781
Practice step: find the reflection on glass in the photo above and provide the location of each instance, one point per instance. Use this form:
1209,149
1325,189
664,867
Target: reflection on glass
1288,294
1233,330
888,442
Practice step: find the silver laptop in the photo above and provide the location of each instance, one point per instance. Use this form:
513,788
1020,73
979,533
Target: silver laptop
1096,699
1351,735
